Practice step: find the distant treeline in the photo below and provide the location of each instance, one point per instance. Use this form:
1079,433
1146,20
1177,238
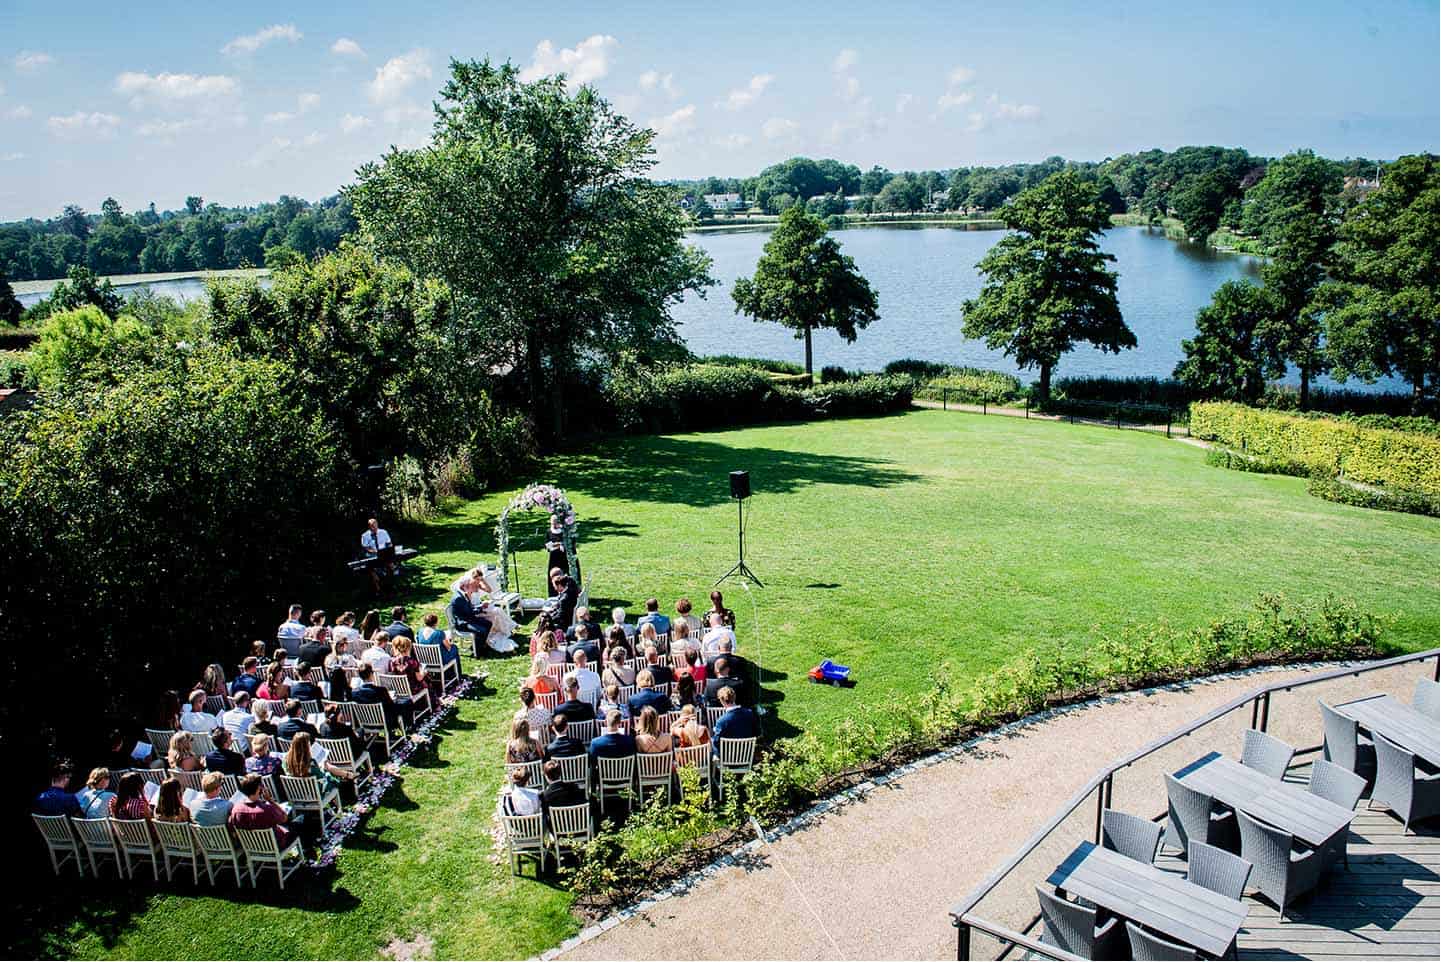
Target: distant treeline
199,237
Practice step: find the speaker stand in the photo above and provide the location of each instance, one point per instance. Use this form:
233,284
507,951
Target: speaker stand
740,569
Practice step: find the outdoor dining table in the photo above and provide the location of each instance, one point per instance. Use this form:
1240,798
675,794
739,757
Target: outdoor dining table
1162,901
1398,722
1311,818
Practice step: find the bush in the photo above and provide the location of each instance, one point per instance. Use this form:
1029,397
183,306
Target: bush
1236,461
833,375
15,369
1410,502
1329,448
871,394
764,363
1164,392
1116,411
915,368
1331,400
971,385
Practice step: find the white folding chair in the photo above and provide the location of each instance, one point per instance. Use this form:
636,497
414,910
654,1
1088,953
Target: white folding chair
525,837
582,731
229,785
60,841
216,704
665,721
177,844
156,775
137,843
217,848
159,740
556,671
626,691
310,707
617,776
697,757
262,848
432,657
570,828
547,700
341,756
190,780
655,769
202,743
712,715
305,794
734,756
399,686
100,843
370,719
534,768
576,770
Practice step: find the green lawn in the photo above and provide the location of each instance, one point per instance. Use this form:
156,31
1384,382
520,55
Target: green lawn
886,544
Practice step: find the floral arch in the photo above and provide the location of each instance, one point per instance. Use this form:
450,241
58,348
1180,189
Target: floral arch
538,497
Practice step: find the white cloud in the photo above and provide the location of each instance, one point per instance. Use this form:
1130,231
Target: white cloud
312,138
960,76
1017,111
404,113
307,101
175,89
279,117
251,42
350,123
653,80
398,74
955,94
852,88
845,60
345,47
975,122
904,101
861,126
743,97
586,61
674,123
269,152
778,127
13,155
20,112
166,130
734,141
958,99
84,124
29,61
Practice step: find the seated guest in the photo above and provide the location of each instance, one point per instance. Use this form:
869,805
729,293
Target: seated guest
562,605
686,693
291,631
377,656
212,682
340,656
697,669
300,763
684,616
680,636
295,723
317,640
559,794
618,670
724,678
615,743
369,625
537,716
368,693
58,799
740,667
258,651
648,739
397,627
433,634
337,726
647,636
736,721
584,643
551,649
237,719
574,708
404,663
586,678
129,801
539,681
255,812
658,669
208,808
610,701
118,758
276,686
344,629
561,744
263,725
223,758
339,684
584,616
687,730
710,643
182,753
197,719
522,746
95,797
653,617
616,638
520,798
543,627
647,697
617,620
170,804
305,689
717,607
261,761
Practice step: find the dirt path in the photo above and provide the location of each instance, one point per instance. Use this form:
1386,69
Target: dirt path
884,871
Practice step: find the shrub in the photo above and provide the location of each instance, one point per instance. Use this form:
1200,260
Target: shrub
832,374
1236,461
1331,400
871,394
1381,499
764,363
1166,392
970,385
14,369
913,367
1326,447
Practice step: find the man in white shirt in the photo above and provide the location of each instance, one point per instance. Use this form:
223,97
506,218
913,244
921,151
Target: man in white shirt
209,808
197,719
710,644
519,798
586,679
375,540
238,720
292,631
376,656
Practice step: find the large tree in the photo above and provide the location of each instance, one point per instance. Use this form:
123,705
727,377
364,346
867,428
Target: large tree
1047,286
1200,199
532,204
804,282
10,307
1380,307
1226,359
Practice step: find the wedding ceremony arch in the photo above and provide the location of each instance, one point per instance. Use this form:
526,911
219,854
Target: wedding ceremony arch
538,497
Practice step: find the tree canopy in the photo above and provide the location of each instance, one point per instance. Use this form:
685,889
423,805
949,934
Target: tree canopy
1226,359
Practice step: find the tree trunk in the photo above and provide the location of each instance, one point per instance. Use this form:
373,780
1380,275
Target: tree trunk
1045,387
534,375
1305,387
1418,394
808,348
557,397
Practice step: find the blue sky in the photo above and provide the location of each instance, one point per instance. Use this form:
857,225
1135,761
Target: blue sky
243,102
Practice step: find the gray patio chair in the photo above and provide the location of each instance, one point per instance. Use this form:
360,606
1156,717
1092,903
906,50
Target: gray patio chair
1344,745
1130,835
1283,869
1340,787
1427,698
1195,816
1221,872
1401,788
1267,755
1073,928
1148,945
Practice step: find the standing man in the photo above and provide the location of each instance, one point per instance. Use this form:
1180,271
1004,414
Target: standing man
377,544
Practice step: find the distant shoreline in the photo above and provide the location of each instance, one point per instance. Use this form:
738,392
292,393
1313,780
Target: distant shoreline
139,280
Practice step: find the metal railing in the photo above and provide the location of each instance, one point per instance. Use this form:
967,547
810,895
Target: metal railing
964,915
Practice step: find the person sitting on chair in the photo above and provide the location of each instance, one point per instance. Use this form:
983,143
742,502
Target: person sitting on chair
683,614
536,715
718,630
562,744
368,693
615,743
583,616
222,758
58,799
585,643
197,719
559,794
574,708
660,671
397,627
736,721
586,678
618,670
653,616
291,631
520,798
617,620
717,606
248,680
295,722
237,720
208,808
256,812
466,617
646,696
376,656
305,689
724,678
740,667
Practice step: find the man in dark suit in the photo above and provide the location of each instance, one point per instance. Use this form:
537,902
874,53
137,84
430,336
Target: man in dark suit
615,743
466,617
660,671
305,689
736,721
645,697
369,693
724,678
562,744
313,653
583,616
248,680
741,668
223,759
397,627
567,594
559,794
295,722
574,708
584,641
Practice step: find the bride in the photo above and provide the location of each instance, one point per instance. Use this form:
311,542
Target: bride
501,624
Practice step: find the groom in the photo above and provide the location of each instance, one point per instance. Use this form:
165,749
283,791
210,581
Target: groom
465,616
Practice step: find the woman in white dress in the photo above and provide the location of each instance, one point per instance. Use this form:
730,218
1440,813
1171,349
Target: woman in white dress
501,624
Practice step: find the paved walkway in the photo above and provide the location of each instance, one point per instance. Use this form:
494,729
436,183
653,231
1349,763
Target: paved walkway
883,872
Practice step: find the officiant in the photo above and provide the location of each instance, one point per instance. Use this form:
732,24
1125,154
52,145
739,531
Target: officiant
555,546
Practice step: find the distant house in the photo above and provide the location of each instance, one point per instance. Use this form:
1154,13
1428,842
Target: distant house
1360,185
724,201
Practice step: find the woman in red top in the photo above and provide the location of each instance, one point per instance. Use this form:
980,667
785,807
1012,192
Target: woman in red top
404,662
129,800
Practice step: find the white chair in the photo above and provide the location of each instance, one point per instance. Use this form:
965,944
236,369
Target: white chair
525,837
665,721
159,740
734,756
216,704
305,794
435,664
340,755
570,828
654,771
60,841
399,686
177,844
370,719
262,848
457,636
190,780
310,707
137,843
156,775
229,785
556,671
582,731
697,757
616,776
272,787
275,706
217,848
202,743
626,691
99,840
576,770
547,700
534,768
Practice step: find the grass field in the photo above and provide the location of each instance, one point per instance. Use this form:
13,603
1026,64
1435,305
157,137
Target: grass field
888,544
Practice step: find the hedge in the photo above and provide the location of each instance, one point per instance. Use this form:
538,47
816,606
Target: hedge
1410,502
1328,448
1236,461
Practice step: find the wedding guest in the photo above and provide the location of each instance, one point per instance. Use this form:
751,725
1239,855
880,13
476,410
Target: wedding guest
653,617
170,804
58,799
209,809
551,650
618,670
255,812
403,662
397,627
718,631
433,634
212,682
248,681
522,746
617,620
223,758
717,607
95,797
305,689
562,744
291,630
538,681
339,684
616,637
647,636
275,687
614,743
683,615
370,624
736,721
300,763
369,693
658,669
648,739
725,679
295,723
586,678
337,726
537,716
687,730
182,753
316,645
344,629
129,801
646,696
376,656
583,644
685,691
197,719
520,798
543,627
262,724
340,656
559,793
574,708
584,616
610,701
261,761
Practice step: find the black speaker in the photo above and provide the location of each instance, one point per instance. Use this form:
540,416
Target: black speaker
740,484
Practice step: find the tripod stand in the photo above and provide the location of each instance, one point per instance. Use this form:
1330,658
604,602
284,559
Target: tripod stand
740,569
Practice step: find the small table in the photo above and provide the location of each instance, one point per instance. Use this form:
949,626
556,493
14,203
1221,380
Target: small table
1397,722
1162,901
1311,818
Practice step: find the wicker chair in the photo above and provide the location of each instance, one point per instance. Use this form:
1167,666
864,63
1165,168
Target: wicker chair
1195,815
1221,872
1427,698
1340,787
1344,744
1148,945
1130,835
1283,869
1411,795
1073,928
1267,755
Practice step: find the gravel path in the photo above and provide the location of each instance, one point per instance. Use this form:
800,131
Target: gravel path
884,871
